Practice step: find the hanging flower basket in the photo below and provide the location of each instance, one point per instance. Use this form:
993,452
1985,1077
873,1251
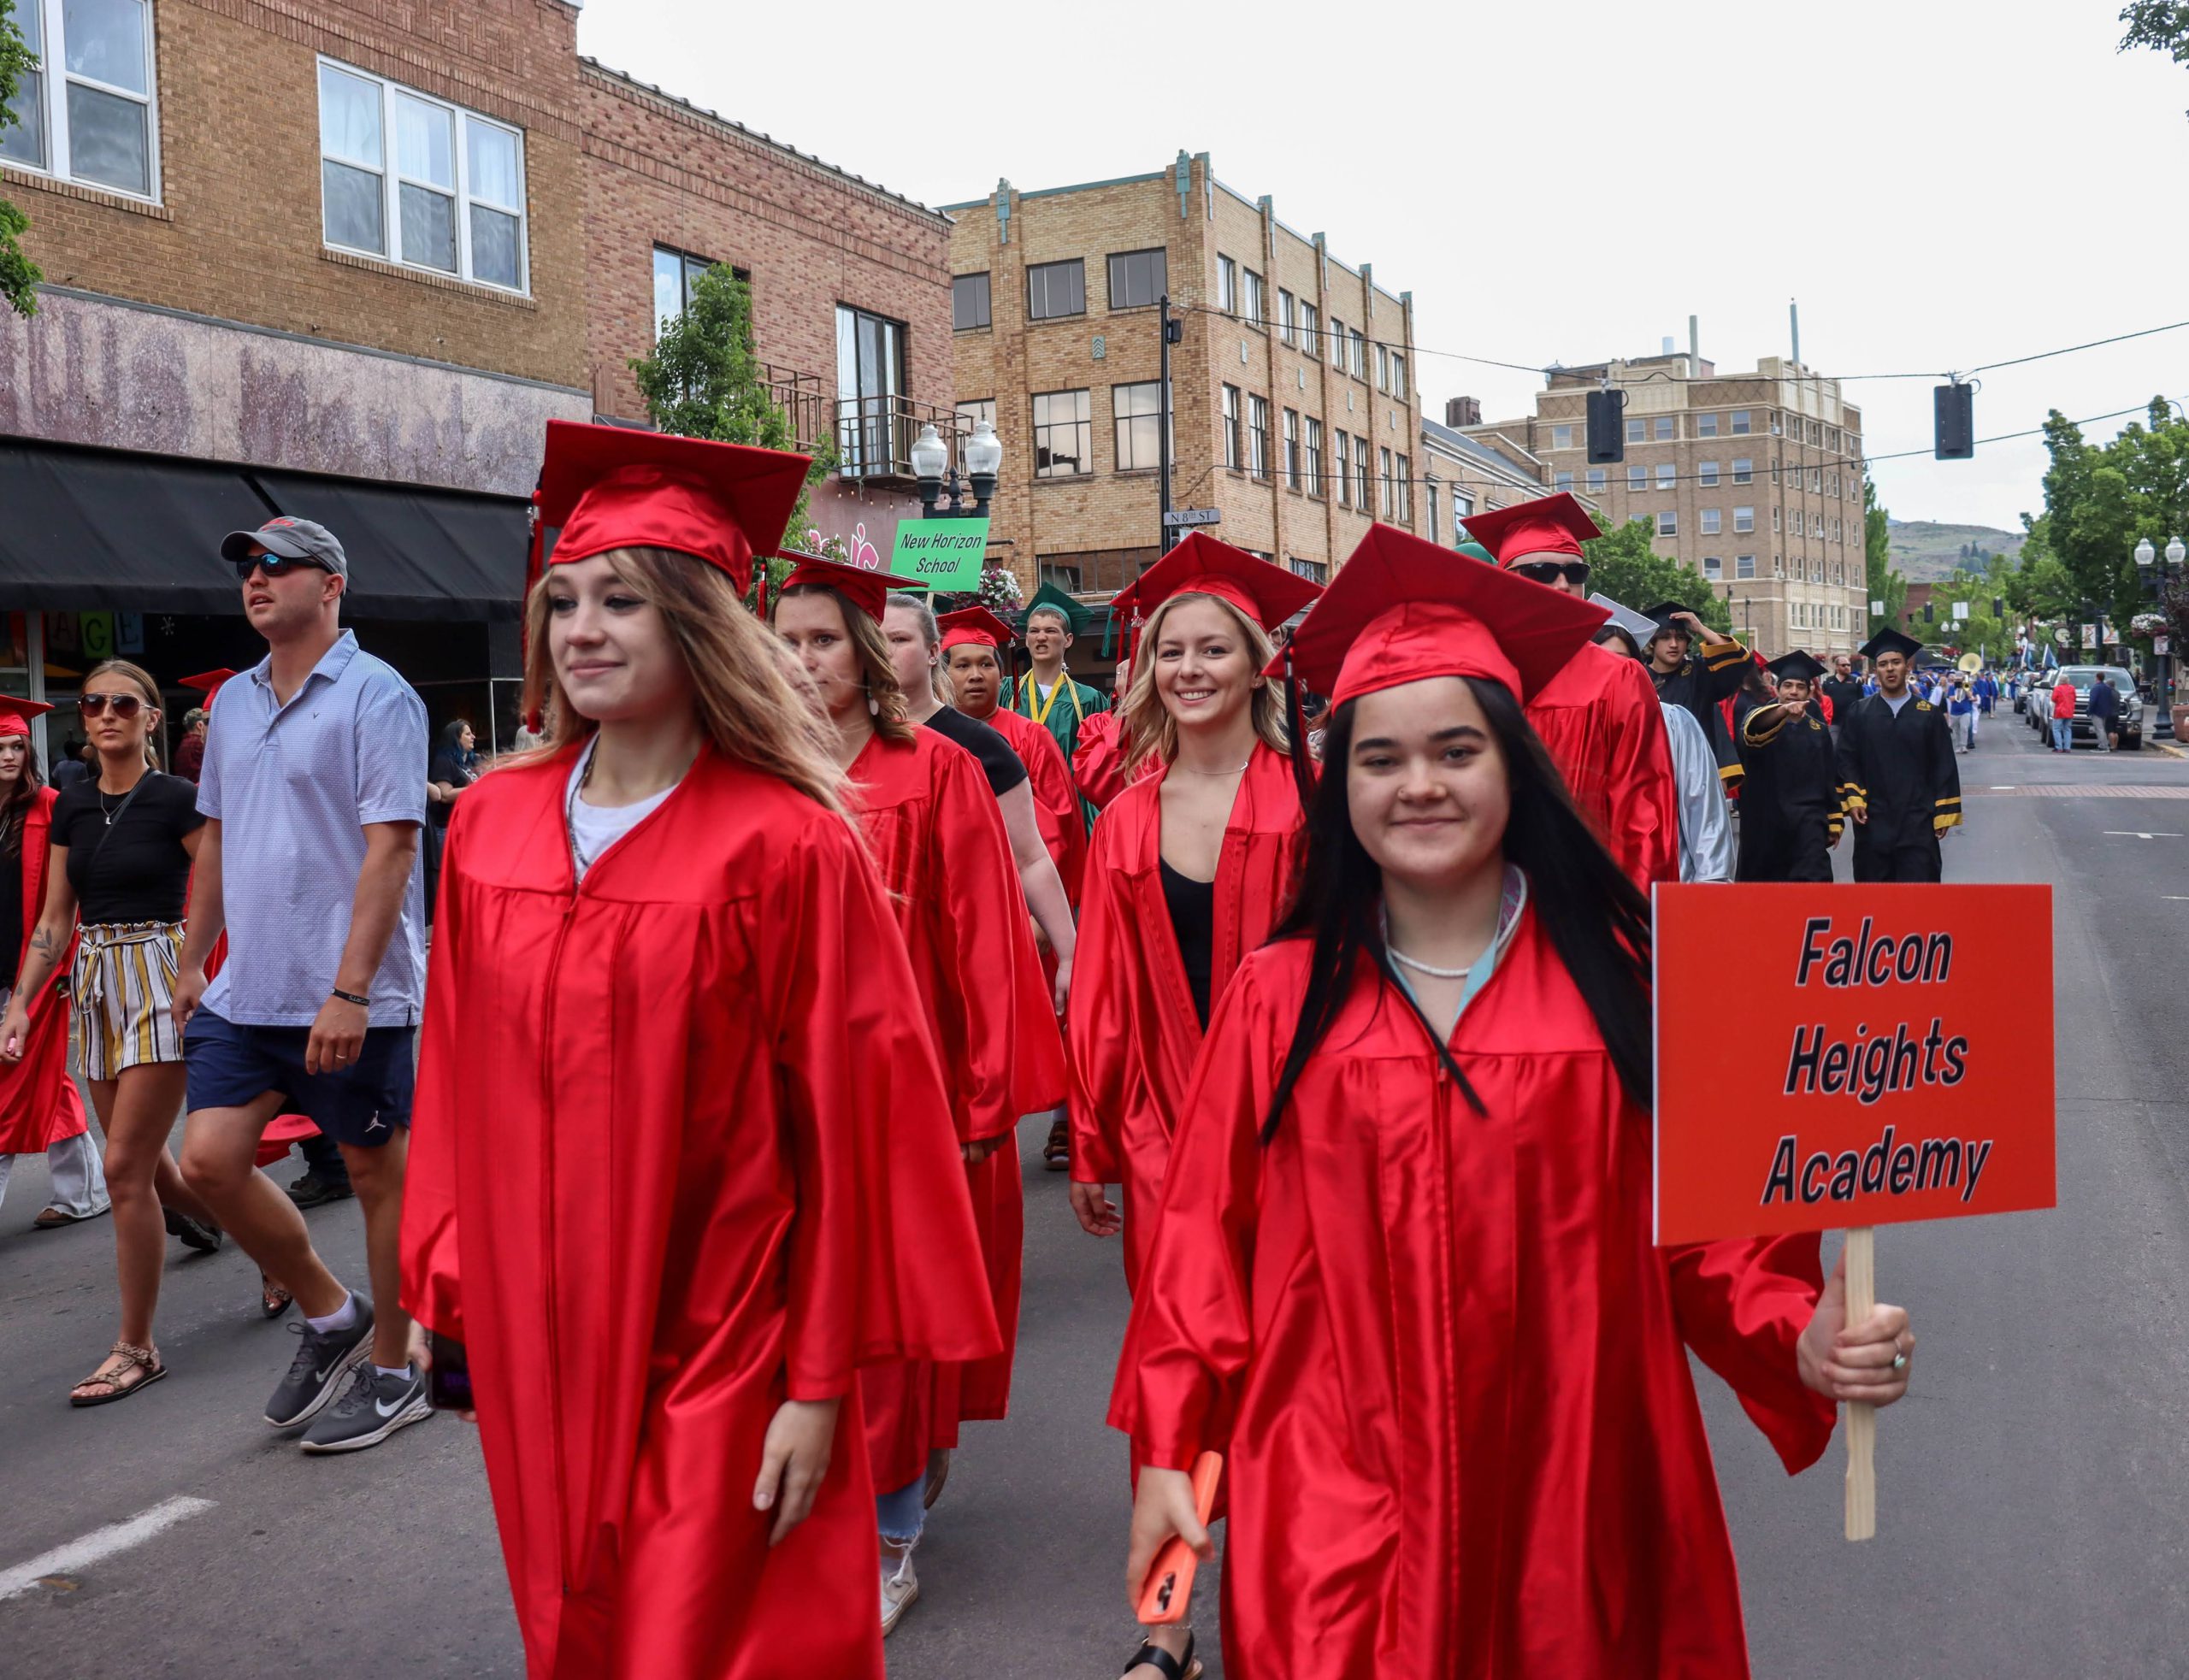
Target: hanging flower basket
2148,624
1000,592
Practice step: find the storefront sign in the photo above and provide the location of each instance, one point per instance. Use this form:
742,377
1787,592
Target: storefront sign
941,553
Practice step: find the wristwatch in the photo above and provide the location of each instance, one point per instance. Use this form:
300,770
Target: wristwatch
351,998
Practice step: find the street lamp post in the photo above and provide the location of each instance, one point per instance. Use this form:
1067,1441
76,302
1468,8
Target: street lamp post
2156,575
982,457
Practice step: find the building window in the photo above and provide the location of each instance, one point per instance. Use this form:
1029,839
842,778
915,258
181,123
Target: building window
1637,432
1562,437
1565,481
1342,468
1836,537
1258,435
1286,318
1740,425
1232,457
1596,481
1710,517
1337,343
1667,475
969,302
1384,472
1403,492
1774,518
1793,426
1064,434
1138,279
870,383
1706,425
1291,449
1816,480
972,411
1137,410
1667,523
1227,285
1713,568
1665,428
1365,471
1360,343
1054,289
1774,472
1064,577
88,112
1432,498
1256,314
1462,510
1743,472
1637,477
1743,519
454,200
1311,338
1314,456
1744,565
1382,366
1398,376
1315,571
675,274
1706,475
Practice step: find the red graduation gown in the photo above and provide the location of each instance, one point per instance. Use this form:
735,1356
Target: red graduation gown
937,839
1056,802
1445,1364
1599,718
1131,1027
679,1140
39,1104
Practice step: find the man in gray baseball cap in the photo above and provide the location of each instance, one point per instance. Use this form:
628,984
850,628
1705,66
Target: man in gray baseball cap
288,539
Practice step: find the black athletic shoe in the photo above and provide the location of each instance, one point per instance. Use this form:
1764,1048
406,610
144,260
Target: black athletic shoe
316,1374
1056,1153
372,1408
194,1233
310,1190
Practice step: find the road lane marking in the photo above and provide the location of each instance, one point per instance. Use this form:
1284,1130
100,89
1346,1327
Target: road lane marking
101,1544
2135,834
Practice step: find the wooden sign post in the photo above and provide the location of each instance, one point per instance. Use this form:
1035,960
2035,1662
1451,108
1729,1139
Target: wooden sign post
1875,1060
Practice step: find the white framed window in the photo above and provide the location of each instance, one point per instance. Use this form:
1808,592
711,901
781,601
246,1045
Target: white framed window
1597,480
1402,491
1314,447
1637,477
1227,285
1462,509
1137,411
1706,425
1562,437
1710,517
1258,435
1255,313
419,181
1430,497
1285,316
88,112
1291,449
1665,428
1398,376
1713,568
1743,519
1232,454
1667,475
1383,468
1062,434
1667,523
1383,366
1342,469
1637,432
1311,336
1743,472
1740,421
1744,565
1706,475
1774,518
1565,481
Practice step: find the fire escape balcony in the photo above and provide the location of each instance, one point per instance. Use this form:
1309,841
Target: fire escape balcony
873,436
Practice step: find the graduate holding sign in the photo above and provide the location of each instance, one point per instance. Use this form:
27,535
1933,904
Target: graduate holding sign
1404,1280
1790,801
1896,771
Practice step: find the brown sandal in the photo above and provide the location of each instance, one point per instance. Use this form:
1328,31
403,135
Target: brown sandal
133,1359
273,1299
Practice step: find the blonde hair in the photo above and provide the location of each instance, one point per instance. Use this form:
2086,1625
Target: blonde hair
140,678
892,717
1150,730
744,702
931,632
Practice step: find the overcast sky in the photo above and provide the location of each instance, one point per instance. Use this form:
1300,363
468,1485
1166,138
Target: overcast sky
1940,183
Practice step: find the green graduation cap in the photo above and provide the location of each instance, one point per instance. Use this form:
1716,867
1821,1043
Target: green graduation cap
1048,595
1475,550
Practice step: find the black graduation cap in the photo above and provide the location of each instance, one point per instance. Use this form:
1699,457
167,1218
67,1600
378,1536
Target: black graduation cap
1797,665
1891,641
1662,613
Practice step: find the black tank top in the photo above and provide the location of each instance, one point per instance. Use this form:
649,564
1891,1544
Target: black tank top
1192,904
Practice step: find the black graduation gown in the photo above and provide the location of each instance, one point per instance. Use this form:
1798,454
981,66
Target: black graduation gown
1703,680
1901,767
1789,800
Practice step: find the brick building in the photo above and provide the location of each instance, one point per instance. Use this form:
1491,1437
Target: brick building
1295,410
1755,480
344,261
1465,476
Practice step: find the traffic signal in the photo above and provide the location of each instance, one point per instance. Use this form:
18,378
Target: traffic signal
1953,414
1606,427
1927,614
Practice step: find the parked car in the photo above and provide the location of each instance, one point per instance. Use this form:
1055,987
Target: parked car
2130,722
2037,707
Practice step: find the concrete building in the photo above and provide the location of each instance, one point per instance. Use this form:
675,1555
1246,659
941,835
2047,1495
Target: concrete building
344,261
1296,410
1753,479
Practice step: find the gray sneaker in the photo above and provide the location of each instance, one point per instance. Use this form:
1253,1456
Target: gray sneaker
372,1408
316,1374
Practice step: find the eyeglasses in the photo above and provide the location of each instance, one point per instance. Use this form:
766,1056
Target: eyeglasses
274,565
124,706
1549,571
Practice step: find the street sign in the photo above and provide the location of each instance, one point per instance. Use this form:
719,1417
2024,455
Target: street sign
1180,518
2160,646
1960,609
2090,635
940,553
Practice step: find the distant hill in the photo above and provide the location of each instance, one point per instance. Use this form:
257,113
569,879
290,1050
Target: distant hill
1925,552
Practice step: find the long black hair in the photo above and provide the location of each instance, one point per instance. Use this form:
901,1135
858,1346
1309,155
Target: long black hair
1597,921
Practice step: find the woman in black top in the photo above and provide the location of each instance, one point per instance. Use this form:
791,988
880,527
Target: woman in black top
454,766
123,841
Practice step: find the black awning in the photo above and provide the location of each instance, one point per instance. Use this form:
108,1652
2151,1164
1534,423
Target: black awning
87,529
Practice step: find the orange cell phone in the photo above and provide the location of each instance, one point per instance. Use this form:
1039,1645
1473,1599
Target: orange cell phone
1170,1584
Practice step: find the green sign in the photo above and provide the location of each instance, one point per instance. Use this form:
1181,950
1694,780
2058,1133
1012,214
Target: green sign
940,553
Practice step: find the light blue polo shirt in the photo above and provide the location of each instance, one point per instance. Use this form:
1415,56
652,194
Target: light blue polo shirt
292,787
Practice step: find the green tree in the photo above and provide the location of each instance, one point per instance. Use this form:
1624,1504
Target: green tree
2161,24
18,276
704,380
1884,583
1625,564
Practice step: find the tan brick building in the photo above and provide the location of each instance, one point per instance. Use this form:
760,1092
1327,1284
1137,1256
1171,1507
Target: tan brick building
1753,479
345,261
1296,411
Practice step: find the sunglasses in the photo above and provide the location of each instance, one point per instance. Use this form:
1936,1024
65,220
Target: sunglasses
1549,571
274,565
122,706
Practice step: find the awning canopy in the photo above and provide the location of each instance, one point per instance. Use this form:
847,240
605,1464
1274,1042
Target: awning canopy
87,529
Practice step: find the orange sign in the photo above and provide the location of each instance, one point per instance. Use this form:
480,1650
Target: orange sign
1840,1056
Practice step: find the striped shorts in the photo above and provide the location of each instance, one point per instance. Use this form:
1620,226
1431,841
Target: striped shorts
123,981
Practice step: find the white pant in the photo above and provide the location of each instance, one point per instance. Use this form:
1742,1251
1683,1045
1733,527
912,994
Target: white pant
79,1180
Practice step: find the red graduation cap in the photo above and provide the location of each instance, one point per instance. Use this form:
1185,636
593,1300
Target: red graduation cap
614,486
1549,525
1200,565
867,591
208,683
974,627
1401,610
15,715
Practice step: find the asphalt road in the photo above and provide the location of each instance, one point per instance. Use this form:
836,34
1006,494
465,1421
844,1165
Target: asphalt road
2034,1491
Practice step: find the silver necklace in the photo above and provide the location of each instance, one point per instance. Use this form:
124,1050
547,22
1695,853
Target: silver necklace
1236,771
1429,969
570,812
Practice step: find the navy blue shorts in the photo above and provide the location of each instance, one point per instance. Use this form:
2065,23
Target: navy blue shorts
232,1066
